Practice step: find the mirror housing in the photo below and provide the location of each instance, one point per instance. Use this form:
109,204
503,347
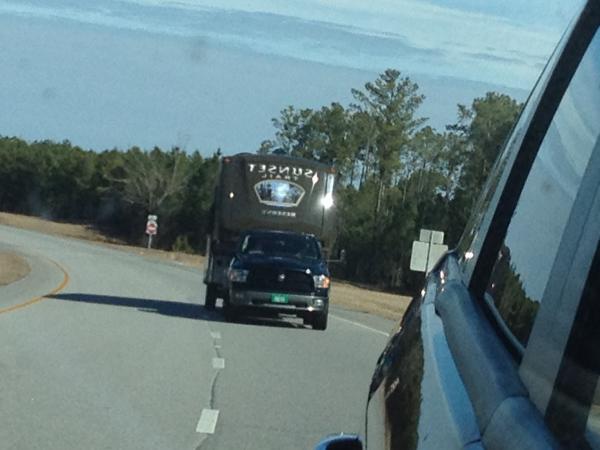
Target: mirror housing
340,442
341,257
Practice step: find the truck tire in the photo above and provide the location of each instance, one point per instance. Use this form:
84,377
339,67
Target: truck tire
319,321
210,299
230,313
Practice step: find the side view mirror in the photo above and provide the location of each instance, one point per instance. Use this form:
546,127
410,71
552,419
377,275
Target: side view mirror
341,257
340,442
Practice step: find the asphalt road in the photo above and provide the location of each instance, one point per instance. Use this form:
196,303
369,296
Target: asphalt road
103,349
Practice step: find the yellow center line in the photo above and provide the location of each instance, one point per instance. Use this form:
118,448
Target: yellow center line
56,290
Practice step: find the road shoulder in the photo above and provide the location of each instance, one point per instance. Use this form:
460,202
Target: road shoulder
13,267
44,278
365,320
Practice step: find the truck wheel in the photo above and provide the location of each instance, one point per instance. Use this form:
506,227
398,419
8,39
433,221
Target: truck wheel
319,321
230,313
210,299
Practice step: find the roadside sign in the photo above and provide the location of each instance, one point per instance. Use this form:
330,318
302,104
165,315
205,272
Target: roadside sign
427,250
151,228
424,256
433,236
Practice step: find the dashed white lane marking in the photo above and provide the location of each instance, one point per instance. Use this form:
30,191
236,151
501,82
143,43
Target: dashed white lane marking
208,421
360,325
217,346
218,363
215,334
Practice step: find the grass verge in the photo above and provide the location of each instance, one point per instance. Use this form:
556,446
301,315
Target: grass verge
12,268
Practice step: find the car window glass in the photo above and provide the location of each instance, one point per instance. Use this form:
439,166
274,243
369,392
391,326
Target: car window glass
525,259
466,246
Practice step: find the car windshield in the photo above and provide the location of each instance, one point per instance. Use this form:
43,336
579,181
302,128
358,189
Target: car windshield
279,244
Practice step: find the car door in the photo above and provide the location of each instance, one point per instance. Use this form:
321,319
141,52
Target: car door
500,350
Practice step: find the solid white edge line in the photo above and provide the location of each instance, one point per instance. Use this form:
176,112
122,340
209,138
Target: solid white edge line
218,363
360,325
208,421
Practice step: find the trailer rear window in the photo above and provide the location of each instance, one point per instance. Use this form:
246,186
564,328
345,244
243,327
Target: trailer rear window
279,193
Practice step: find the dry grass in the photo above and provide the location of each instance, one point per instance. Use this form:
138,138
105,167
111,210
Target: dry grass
385,305
382,304
88,233
56,228
12,268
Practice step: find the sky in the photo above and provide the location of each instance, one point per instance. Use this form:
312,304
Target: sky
204,74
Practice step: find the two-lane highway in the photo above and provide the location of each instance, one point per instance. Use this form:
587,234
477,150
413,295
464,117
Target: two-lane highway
123,355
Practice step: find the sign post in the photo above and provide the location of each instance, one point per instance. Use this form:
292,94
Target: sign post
427,250
151,228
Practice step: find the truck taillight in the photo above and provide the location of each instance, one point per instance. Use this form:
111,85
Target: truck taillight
327,201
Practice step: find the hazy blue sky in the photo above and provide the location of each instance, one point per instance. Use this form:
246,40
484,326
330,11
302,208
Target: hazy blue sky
207,74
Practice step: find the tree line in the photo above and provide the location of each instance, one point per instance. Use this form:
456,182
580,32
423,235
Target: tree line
396,175
112,190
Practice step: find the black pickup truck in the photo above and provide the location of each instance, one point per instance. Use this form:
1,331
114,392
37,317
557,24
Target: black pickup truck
279,272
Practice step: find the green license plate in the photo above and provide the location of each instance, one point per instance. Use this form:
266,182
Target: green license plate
279,298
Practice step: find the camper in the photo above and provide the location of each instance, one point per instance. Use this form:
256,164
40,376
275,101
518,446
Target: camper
271,231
